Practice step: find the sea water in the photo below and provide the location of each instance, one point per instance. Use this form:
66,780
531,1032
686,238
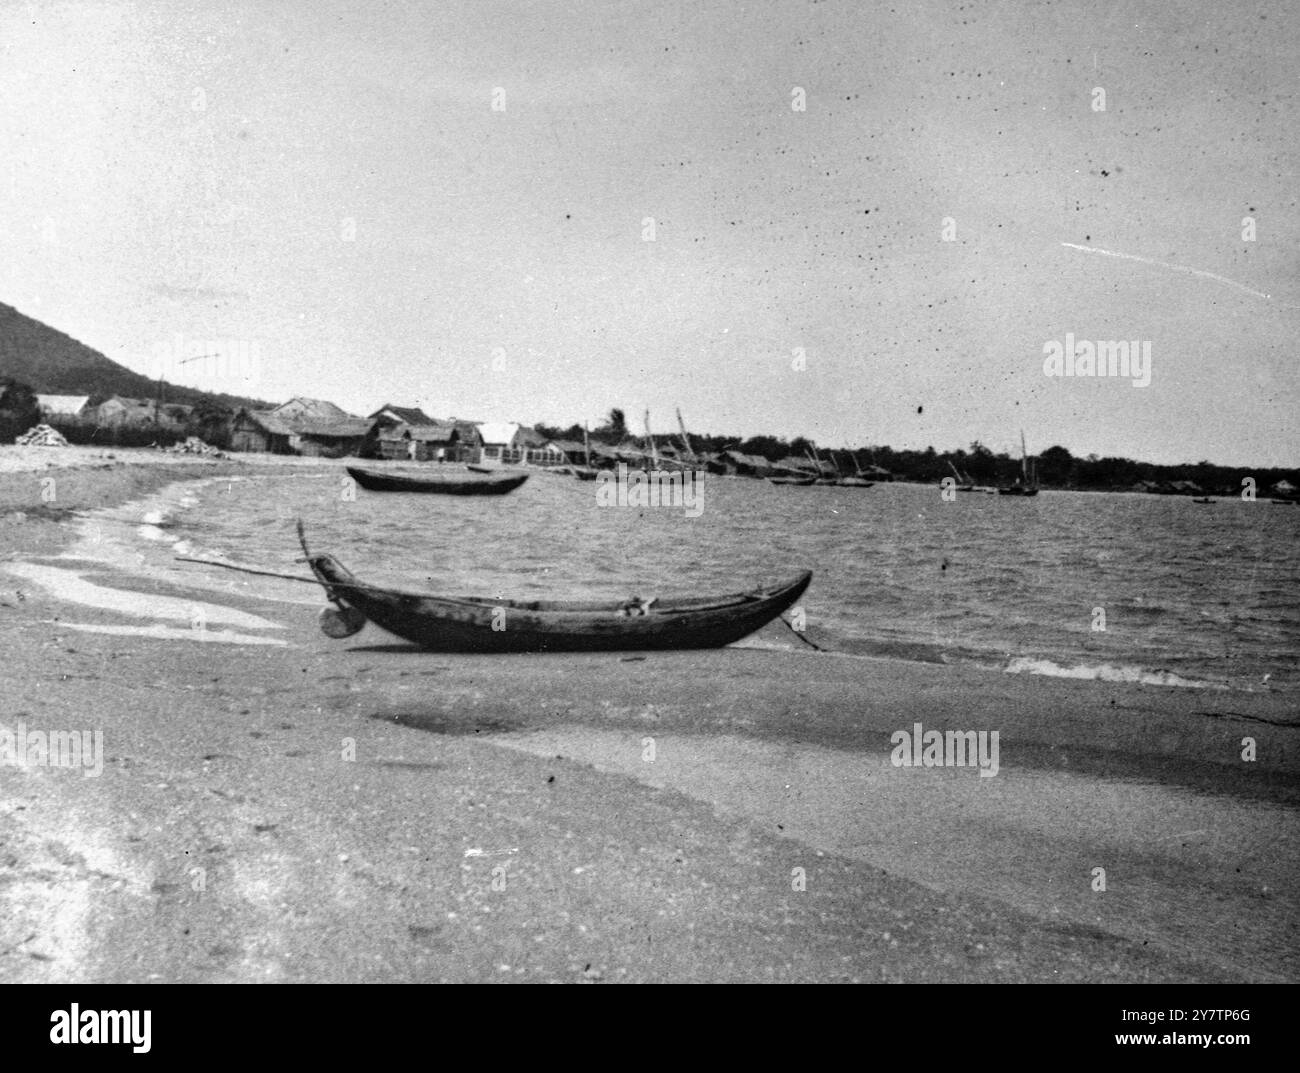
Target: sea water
1118,587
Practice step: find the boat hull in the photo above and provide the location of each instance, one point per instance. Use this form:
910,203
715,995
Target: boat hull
487,485
447,624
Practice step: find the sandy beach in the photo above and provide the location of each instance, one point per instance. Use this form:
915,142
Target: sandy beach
278,806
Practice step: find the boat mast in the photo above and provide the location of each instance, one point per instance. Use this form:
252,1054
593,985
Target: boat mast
654,451
586,442
686,440
1024,460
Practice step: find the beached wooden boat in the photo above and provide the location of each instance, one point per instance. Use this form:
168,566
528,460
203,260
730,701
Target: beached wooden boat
793,480
1205,499
481,624
438,483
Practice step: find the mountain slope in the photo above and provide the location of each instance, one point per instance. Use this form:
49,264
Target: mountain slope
55,364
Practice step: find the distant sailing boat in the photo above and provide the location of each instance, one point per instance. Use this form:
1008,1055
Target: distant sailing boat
821,477
691,459
1027,484
858,481
964,483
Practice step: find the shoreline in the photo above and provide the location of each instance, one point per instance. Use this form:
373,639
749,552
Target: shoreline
535,763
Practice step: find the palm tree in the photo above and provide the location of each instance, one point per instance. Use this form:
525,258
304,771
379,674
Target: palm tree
615,426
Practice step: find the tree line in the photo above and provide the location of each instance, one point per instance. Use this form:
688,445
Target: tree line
1056,467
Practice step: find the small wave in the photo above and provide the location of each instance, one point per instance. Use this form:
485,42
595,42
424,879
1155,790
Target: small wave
160,632
70,587
1106,672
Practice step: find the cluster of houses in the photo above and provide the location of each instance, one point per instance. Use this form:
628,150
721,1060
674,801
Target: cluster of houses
318,428
116,411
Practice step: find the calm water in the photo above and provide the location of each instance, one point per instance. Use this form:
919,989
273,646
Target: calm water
1190,593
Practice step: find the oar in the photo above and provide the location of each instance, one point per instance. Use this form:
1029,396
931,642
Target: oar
360,586
302,539
338,621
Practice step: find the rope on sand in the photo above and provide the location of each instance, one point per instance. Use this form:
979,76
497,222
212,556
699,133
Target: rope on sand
246,569
799,634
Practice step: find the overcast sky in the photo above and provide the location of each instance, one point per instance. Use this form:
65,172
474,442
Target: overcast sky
331,182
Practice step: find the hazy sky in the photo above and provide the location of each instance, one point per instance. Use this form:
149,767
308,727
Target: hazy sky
331,182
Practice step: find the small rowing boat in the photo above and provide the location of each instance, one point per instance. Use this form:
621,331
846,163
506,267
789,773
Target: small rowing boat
438,483
792,480
481,624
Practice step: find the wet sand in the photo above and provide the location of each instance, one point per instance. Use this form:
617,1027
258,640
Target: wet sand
359,810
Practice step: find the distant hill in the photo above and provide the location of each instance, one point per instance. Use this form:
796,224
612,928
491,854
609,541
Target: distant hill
52,363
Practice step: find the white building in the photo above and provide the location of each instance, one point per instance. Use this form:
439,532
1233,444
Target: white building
62,405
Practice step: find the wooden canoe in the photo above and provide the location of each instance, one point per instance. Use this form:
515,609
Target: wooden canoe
480,624
438,483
